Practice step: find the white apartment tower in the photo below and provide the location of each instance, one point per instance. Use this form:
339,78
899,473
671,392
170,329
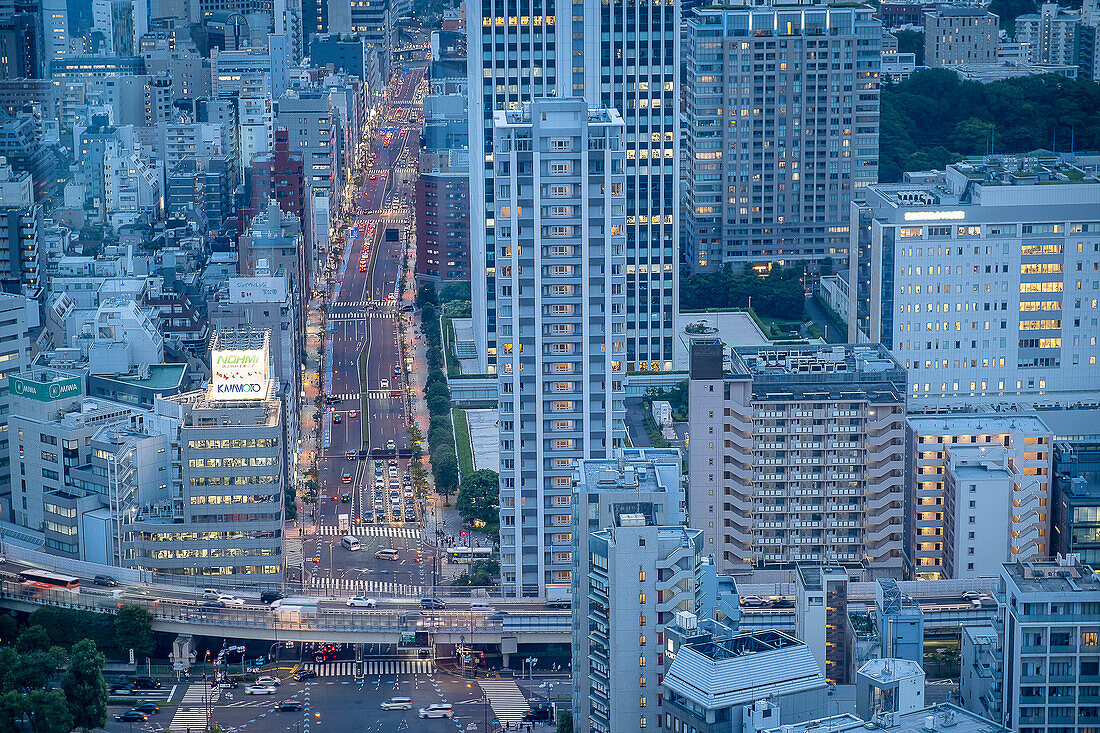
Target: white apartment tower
561,321
621,55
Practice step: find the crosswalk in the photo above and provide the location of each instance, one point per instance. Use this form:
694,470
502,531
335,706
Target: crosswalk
294,554
372,668
191,714
507,701
363,304
367,587
372,530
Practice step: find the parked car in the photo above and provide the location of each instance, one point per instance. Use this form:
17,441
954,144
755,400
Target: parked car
259,690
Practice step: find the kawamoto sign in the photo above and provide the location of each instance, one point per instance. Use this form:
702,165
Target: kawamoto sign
45,391
239,374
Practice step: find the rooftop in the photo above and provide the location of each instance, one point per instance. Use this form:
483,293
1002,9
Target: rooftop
981,634
623,474
977,424
821,372
944,717
1062,575
889,670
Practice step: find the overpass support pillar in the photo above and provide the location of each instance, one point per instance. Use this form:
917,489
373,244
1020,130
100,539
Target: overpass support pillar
509,645
183,652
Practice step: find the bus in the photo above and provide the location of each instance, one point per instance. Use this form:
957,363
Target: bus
468,554
47,579
351,542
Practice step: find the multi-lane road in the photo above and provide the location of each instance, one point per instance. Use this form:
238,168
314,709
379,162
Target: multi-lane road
365,486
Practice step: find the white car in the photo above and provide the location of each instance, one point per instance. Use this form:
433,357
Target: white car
268,681
259,690
362,602
231,600
397,703
437,710
753,601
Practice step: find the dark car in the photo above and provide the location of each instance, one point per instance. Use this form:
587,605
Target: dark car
270,596
145,683
345,498
121,689
537,715
105,580
289,706
432,602
305,674
213,604
132,716
148,708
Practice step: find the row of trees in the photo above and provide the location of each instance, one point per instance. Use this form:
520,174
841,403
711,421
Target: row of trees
778,293
441,438
933,119
31,695
479,500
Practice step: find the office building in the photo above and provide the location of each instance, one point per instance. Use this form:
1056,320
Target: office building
646,482
20,44
770,176
273,242
278,174
981,281
1011,495
1051,34
960,34
256,121
900,622
21,261
19,323
1048,627
584,53
821,608
312,131
979,688
797,455
739,682
1075,519
560,279
638,574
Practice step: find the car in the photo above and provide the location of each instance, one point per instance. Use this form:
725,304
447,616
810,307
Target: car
397,371
350,455
410,516
970,595
373,177
362,602
270,596
753,601
345,498
132,716
230,600
437,710
537,715
397,703
346,478
384,384
390,445
228,683
336,419
259,690
431,602
120,689
782,602
105,580
290,706
305,674
145,683
269,680
397,515
212,604
149,708
352,414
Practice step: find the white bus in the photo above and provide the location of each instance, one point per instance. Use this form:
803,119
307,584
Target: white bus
351,542
468,554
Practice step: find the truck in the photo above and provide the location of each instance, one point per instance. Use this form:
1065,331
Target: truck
343,521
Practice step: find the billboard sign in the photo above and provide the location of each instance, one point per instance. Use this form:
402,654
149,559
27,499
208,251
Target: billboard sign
55,389
239,374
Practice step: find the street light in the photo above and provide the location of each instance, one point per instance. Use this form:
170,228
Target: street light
530,662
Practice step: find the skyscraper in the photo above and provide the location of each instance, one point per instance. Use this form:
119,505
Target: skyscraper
781,130
561,322
620,55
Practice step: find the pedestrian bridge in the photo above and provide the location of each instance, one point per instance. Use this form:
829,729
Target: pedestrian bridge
335,624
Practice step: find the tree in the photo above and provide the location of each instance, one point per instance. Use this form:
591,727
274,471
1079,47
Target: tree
565,721
455,292
9,629
84,686
34,669
439,404
445,469
33,639
48,712
479,497
911,42
134,629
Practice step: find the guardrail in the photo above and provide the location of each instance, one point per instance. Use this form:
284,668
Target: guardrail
279,621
